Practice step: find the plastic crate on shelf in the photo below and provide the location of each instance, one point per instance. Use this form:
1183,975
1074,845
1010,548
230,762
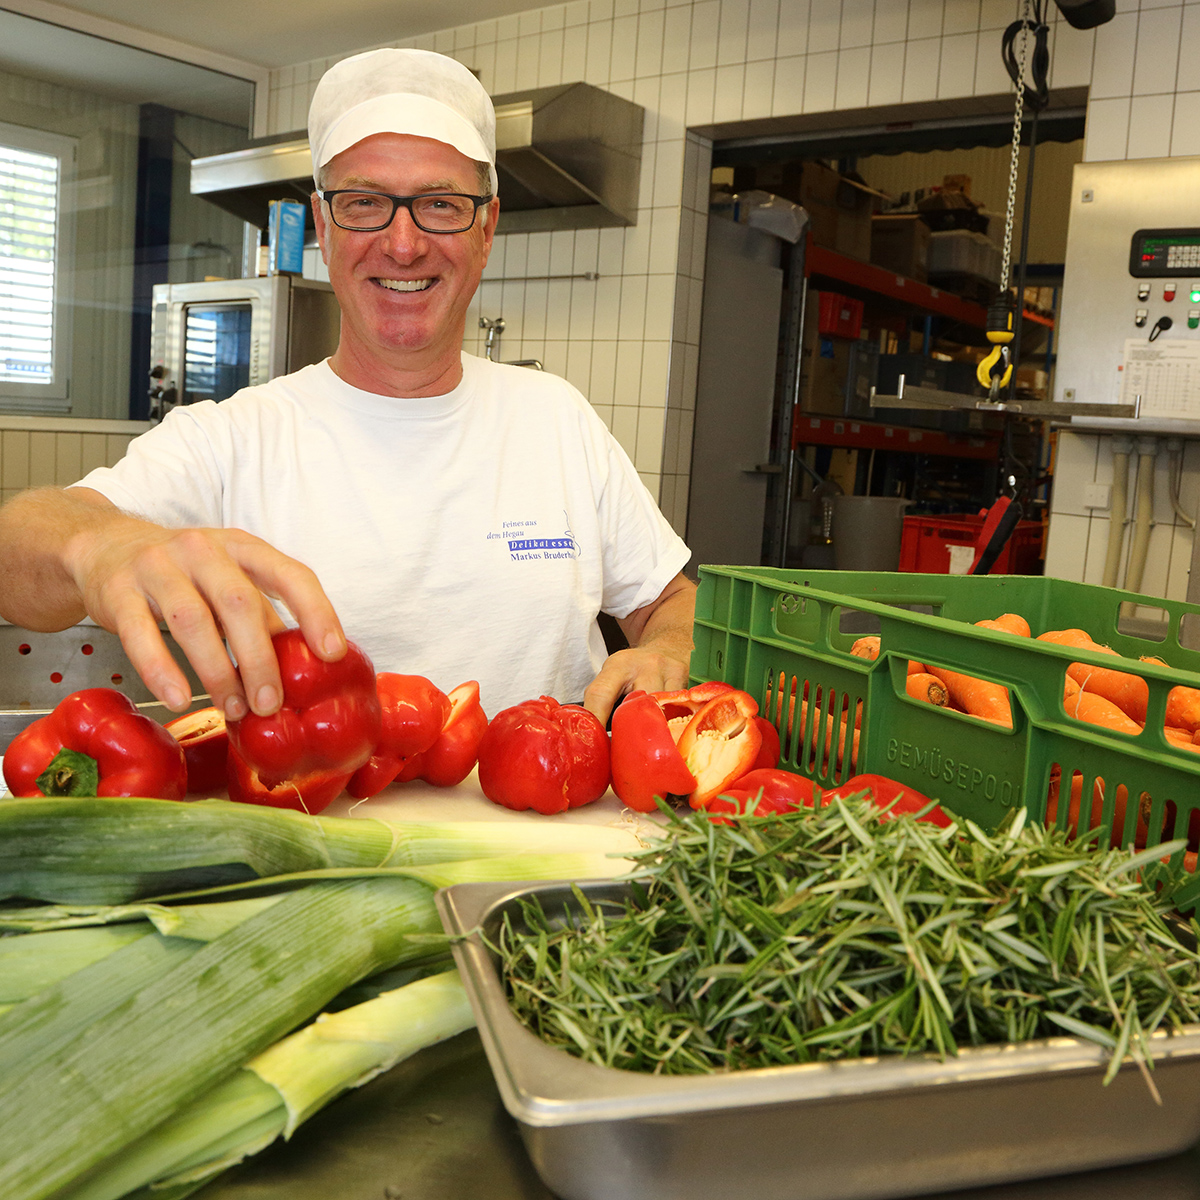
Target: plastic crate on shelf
939,546
785,637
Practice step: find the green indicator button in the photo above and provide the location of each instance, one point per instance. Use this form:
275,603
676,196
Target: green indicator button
1194,319
1194,295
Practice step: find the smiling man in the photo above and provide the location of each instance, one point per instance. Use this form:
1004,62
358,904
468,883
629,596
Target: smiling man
457,518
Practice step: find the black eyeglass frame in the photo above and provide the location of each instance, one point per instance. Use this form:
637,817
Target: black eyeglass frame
399,202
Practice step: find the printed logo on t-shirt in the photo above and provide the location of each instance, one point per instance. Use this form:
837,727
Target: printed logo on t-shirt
526,541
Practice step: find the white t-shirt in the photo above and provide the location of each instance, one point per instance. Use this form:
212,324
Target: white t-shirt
473,535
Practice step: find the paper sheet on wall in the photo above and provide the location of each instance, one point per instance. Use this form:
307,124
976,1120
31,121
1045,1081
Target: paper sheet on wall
1165,374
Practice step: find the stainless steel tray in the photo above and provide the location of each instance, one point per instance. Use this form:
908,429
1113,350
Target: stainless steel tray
853,1130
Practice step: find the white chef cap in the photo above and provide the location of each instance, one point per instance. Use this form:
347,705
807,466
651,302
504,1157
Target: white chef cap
415,92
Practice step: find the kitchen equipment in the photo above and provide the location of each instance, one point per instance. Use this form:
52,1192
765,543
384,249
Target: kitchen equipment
850,1130
568,156
209,339
37,670
867,532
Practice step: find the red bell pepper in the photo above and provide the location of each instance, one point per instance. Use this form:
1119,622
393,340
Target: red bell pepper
645,759
681,706
205,742
303,756
773,790
545,756
95,743
453,756
720,743
414,711
768,753
884,791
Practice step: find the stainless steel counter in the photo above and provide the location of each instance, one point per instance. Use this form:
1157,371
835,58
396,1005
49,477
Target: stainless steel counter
434,1129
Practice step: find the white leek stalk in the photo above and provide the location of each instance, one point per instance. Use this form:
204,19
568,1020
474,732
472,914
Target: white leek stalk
284,1086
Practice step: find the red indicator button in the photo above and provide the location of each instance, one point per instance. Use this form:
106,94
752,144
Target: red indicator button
1168,291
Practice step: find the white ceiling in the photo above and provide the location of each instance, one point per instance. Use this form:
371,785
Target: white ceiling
275,33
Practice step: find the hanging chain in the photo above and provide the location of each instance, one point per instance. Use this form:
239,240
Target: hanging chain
1026,28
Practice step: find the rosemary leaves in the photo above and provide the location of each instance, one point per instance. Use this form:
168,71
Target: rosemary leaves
829,934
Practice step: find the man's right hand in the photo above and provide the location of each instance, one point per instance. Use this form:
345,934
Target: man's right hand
64,554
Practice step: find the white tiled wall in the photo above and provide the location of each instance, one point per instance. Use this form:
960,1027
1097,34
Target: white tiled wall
1078,542
630,339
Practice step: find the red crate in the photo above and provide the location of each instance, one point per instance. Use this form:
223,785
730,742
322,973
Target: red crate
931,545
839,316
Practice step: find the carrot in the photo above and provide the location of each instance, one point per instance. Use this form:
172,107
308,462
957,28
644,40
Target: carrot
866,647
928,688
916,668
1183,703
1130,693
1008,623
978,697
1119,809
1082,705
1181,737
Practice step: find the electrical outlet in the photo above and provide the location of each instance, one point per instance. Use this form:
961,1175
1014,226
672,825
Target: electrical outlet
1097,495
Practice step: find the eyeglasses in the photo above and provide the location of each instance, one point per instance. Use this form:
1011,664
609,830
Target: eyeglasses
369,212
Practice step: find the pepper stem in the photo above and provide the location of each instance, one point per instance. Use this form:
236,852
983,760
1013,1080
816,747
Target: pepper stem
70,773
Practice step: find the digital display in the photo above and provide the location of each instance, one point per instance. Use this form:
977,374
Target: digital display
1164,253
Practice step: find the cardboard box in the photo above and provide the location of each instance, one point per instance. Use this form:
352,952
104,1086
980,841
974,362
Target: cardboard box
901,244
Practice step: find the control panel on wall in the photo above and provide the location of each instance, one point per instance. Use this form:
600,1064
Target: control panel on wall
1161,373
1129,322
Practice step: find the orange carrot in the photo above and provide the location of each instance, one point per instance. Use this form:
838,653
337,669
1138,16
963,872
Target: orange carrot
1087,706
928,688
1008,623
1130,693
1183,703
1181,737
916,668
866,647
978,697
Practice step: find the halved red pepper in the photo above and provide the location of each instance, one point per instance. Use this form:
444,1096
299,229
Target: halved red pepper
720,743
95,743
645,759
205,742
303,756
414,711
768,752
681,706
545,756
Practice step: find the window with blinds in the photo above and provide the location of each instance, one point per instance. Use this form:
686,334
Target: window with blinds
30,185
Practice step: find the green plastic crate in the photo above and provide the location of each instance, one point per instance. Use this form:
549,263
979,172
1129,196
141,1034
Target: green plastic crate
758,626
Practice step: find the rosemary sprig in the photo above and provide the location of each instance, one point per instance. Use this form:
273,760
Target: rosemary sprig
830,934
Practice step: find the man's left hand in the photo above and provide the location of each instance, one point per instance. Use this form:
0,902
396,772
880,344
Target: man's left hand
659,654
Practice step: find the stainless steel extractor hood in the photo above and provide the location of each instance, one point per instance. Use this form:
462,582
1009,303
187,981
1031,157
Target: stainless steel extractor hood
567,157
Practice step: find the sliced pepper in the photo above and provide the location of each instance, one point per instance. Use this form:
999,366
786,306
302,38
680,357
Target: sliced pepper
720,743
205,742
303,756
645,759
413,713
545,756
681,706
95,743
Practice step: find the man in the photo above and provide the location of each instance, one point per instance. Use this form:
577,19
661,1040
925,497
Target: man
463,518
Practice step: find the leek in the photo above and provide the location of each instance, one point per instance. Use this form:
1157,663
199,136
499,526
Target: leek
116,850
284,1086
197,1023
32,963
133,1053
